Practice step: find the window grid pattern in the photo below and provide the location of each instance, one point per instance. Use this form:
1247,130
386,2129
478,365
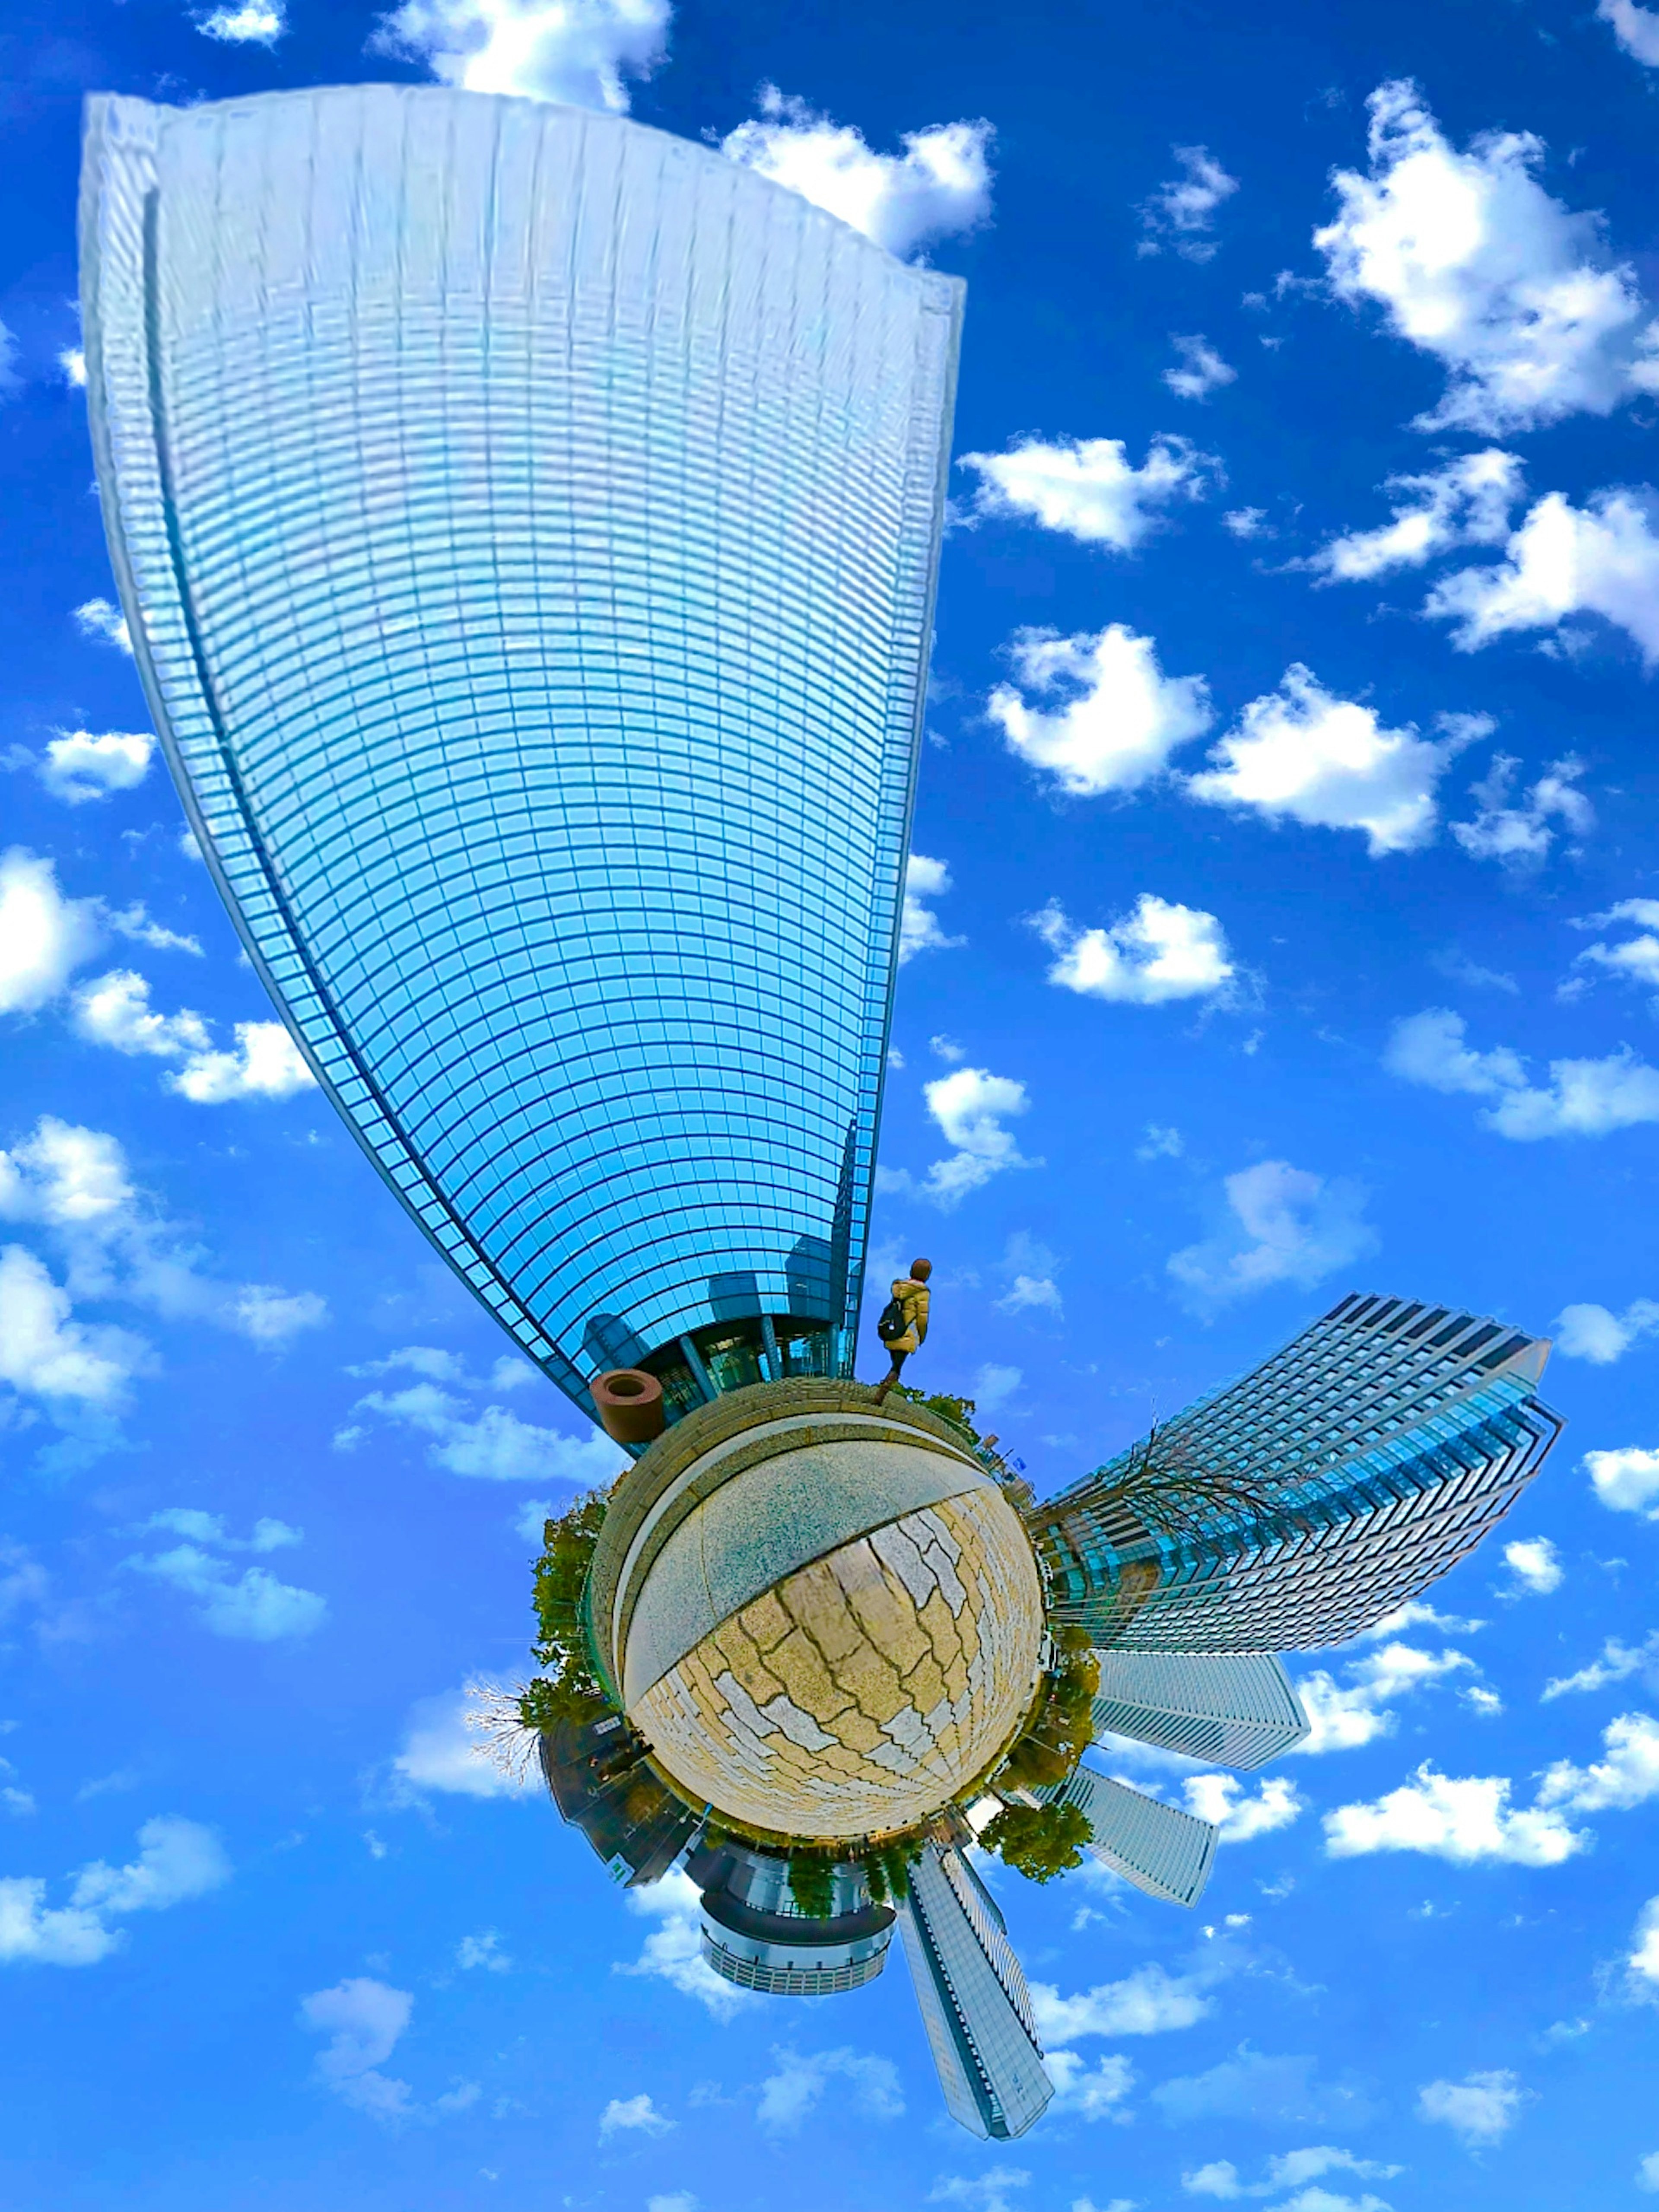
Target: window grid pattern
1233,1708
1166,1853
528,525
1400,1434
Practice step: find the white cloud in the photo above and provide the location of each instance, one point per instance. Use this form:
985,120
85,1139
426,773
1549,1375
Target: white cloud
788,2094
970,1106
1201,371
1626,1479
1643,1966
363,2019
673,1950
1224,1801
1601,559
1520,836
1475,263
679,2200
254,22
1182,209
494,1445
1112,719
441,1752
1328,763
1637,29
1158,951
1149,2002
1481,2109
1346,1716
631,2115
1617,1663
1415,1614
1467,503
1161,1144
1090,2093
1032,1293
1585,1097
102,618
253,1607
177,1860
266,1063
1536,1566
44,936
1462,1819
45,1352
114,1010
134,921
485,1950
78,766
576,51
1635,958
985,2192
993,1386
1647,2173
1292,2169
73,362
940,184
919,929
1627,1777
1290,1227
1088,488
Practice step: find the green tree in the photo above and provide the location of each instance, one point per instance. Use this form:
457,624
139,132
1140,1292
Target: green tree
812,1883
570,1689
1038,1841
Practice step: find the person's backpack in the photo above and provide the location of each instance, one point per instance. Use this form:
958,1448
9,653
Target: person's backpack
892,1322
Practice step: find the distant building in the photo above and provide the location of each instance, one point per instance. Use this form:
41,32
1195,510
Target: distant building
1368,1456
755,1935
1158,1847
528,524
1231,1708
975,2004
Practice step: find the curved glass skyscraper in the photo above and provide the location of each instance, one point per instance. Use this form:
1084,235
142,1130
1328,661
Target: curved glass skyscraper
530,523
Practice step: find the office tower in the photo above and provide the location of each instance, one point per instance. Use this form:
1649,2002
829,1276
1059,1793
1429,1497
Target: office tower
1340,1478
1161,1849
1232,1708
527,523
756,1934
975,2004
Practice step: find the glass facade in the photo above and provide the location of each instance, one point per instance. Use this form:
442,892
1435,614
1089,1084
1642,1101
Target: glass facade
528,525
974,2002
1232,1708
1158,1847
1380,1447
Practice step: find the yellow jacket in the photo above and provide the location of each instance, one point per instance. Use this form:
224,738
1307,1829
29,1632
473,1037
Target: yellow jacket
913,1304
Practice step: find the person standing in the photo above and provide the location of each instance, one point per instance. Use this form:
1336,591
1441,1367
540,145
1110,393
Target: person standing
903,1328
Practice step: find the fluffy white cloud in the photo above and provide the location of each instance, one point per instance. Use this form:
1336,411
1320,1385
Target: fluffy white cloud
1150,2001
1617,1663
577,51
363,2019
72,361
1635,959
254,22
1202,370
673,1950
1088,488
1182,209
1474,262
177,1860
442,1751
101,618
971,1107
941,184
631,2116
1601,559
919,928
993,1385
68,1176
1344,1716
1536,1566
1480,2109
1466,503
1224,1801
252,1607
1262,2087
78,765
45,1352
1642,1965
1637,29
114,1010
484,1950
1301,753
1112,719
1293,2169
1462,1819
1091,2093
44,937
494,1445
266,1063
1627,1777
1627,1480
1584,1097
1521,835
1289,1226
1158,951
798,2084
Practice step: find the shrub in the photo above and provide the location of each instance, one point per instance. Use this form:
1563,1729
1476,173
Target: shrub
1038,1841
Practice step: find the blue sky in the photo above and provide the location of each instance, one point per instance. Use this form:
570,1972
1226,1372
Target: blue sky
1286,921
